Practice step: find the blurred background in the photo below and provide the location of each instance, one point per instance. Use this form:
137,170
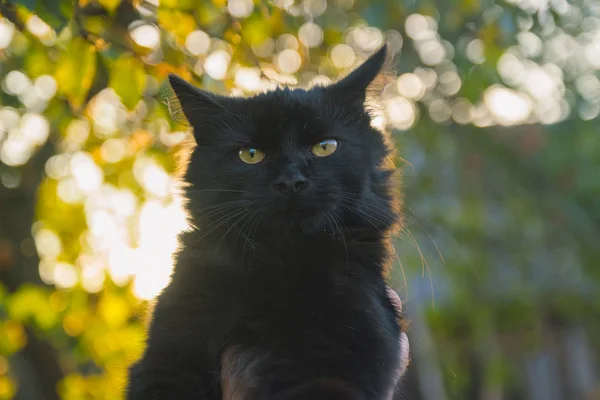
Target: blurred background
494,111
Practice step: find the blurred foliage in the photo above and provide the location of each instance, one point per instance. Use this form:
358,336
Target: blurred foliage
495,111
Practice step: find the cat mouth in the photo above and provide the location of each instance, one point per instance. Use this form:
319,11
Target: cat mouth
297,212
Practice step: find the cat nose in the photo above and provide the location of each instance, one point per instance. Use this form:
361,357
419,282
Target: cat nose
290,185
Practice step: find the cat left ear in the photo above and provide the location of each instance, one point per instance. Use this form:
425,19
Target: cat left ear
199,107
353,88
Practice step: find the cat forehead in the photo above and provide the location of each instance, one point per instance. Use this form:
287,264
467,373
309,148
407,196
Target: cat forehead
289,102
286,110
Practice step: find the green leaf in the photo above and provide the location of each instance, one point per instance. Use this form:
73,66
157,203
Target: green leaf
110,5
127,78
37,61
30,4
56,13
75,71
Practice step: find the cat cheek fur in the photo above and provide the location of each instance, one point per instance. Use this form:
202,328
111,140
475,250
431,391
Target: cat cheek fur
281,294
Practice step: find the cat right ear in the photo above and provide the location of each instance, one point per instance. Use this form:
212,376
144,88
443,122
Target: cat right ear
199,107
352,90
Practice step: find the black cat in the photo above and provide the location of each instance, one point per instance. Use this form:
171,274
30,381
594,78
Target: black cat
279,290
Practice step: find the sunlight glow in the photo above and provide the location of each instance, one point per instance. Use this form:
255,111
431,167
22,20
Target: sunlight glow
401,112
77,133
64,275
113,150
107,113
88,175
45,86
310,34
9,117
248,78
432,52
508,106
240,8
153,178
7,31
410,86
47,243
35,128
23,135
69,191
315,7
197,42
288,61
265,48
217,63
16,82
92,273
286,41
57,166
157,246
420,27
342,56
146,36
42,30
16,150
475,51
364,38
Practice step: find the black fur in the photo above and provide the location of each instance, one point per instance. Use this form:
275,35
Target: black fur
282,297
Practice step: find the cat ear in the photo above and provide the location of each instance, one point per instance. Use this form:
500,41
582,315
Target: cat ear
200,108
353,88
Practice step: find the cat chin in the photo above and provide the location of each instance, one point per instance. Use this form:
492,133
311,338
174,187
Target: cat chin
305,221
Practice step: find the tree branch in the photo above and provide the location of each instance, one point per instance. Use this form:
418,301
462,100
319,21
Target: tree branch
10,13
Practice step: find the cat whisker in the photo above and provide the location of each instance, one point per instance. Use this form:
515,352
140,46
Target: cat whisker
218,211
424,266
217,191
215,206
239,218
460,249
366,215
342,236
221,221
385,217
253,226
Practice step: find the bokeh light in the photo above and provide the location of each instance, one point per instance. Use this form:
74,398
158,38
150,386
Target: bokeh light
310,34
217,63
7,30
85,105
288,61
240,8
197,42
342,56
146,35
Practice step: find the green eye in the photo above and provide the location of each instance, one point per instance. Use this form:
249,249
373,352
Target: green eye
251,156
325,148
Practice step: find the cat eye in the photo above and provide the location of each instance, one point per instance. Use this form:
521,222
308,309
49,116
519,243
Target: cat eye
250,155
325,148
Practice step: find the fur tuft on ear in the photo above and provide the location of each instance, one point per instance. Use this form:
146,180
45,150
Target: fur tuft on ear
200,108
353,88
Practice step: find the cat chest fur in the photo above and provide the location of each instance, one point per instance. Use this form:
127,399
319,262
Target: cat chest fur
284,325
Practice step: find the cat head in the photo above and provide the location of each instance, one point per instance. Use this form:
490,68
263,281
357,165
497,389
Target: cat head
289,159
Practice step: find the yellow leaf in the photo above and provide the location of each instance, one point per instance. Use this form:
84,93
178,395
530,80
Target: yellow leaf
16,334
114,310
127,78
75,71
110,5
3,365
176,22
73,323
7,388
